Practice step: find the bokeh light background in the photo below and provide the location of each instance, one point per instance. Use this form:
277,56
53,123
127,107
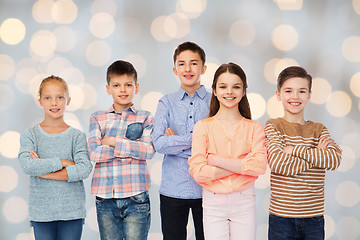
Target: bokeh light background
77,40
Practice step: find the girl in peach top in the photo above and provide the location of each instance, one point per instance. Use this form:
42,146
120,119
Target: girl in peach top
228,155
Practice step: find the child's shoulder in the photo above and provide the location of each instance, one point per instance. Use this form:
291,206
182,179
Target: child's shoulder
98,113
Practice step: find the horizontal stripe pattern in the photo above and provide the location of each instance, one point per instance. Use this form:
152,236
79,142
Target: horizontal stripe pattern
298,179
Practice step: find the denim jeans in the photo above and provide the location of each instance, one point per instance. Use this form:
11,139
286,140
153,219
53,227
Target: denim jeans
296,228
58,230
124,218
174,217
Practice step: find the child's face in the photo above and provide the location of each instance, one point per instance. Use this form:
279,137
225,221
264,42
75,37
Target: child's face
189,68
54,100
229,90
294,95
122,88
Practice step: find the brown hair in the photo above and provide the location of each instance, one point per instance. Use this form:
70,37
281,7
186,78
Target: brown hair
192,47
292,72
244,107
119,68
53,78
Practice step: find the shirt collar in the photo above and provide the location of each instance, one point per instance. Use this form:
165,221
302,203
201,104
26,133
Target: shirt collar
130,109
201,92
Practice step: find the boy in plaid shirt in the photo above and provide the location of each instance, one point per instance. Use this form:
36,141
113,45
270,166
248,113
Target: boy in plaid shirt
120,143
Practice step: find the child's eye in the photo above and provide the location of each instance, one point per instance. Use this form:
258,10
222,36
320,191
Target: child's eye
61,97
194,63
129,85
115,85
237,87
46,98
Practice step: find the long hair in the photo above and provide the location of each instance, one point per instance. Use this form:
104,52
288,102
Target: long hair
244,107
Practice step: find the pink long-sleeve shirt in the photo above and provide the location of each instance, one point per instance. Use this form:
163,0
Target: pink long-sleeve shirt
247,143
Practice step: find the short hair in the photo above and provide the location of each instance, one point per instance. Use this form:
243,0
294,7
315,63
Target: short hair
121,67
53,78
292,72
192,47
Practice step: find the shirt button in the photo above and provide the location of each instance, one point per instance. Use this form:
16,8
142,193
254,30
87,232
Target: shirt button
190,117
115,179
190,131
191,103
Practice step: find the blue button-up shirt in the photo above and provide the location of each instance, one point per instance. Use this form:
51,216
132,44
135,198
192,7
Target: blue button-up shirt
180,112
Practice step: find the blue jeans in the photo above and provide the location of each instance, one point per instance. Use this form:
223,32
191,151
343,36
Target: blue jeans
58,230
296,228
124,218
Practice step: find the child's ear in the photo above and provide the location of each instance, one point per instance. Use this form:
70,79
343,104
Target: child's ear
278,96
309,95
136,88
203,70
68,101
175,71
108,89
40,102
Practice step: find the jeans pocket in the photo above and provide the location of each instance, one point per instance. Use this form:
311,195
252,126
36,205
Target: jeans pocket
99,200
134,131
140,198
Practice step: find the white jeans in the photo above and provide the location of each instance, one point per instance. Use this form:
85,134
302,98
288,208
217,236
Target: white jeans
229,215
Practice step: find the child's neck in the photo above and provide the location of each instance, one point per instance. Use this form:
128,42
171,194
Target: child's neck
229,114
52,126
120,108
295,118
191,90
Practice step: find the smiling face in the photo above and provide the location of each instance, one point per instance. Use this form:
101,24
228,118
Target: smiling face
189,67
229,90
53,99
294,95
122,88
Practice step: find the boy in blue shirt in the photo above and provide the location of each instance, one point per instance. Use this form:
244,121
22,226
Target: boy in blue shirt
175,118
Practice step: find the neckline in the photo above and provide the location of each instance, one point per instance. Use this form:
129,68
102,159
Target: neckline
53,134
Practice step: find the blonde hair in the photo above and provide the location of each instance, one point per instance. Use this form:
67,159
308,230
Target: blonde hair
53,78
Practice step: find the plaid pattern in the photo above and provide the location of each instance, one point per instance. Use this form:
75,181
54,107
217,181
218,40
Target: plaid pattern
120,171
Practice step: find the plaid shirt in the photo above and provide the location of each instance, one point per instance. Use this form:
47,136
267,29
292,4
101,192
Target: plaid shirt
120,171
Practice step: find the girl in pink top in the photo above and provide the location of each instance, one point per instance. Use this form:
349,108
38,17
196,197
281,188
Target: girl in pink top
228,155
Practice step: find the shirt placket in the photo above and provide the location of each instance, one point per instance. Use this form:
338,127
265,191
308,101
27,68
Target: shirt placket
120,125
229,156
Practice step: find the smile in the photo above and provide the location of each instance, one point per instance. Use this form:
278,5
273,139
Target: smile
294,103
188,76
54,110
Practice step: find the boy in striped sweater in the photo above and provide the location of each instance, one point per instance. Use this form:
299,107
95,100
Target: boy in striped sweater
299,153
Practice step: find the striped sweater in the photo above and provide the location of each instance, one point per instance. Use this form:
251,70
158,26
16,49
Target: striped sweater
297,180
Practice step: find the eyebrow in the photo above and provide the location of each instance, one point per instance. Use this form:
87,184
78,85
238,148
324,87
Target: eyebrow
193,60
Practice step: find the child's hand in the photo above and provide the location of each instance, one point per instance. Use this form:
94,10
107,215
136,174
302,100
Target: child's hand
211,159
169,132
324,142
288,149
65,163
109,141
33,154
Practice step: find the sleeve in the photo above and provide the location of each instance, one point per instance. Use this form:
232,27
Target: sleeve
142,149
35,166
83,166
327,158
198,167
98,153
254,163
172,145
280,162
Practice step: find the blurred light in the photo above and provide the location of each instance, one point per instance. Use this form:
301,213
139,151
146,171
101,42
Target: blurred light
57,65
23,77
191,8
102,25
8,179
182,25
257,105
7,67
98,53
320,91
351,49
77,98
274,66
348,159
73,76
66,39
355,84
161,27
139,63
348,227
356,6
289,4
339,104
10,144
72,120
6,97
64,11
34,86
91,219
25,236
129,29
242,33
43,43
329,226
285,37
274,108
105,6
41,11
15,209
347,194
150,101
208,77
12,31
90,98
